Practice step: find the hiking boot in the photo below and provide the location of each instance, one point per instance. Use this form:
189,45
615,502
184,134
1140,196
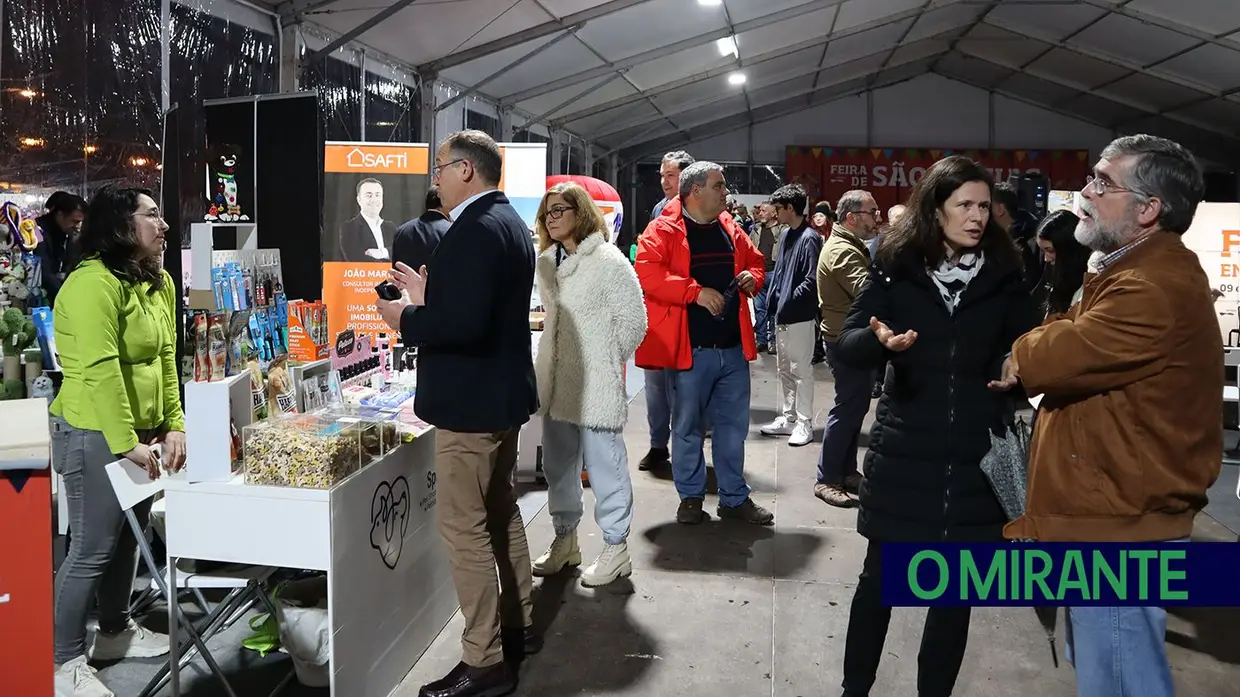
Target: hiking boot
657,458
562,553
612,564
835,495
690,512
748,511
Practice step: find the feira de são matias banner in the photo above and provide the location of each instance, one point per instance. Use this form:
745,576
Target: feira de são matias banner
1060,574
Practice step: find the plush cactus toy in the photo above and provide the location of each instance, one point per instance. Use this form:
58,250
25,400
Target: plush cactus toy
16,331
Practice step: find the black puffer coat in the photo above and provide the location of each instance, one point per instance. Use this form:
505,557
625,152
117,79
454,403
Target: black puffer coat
923,480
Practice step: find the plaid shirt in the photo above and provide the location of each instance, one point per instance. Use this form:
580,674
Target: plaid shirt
1099,263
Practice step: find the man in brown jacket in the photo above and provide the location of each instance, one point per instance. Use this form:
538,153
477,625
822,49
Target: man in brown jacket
1129,434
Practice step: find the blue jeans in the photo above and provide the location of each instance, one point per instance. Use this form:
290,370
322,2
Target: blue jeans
566,449
1119,651
764,323
715,388
659,385
838,458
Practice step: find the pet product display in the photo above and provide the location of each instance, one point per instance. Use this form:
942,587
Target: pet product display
309,451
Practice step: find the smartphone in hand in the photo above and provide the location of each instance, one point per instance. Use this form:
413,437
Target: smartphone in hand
388,291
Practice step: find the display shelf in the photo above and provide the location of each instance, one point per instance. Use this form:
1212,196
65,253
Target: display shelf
211,410
304,371
389,596
202,257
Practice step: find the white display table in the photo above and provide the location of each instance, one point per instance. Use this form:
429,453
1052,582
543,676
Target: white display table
389,583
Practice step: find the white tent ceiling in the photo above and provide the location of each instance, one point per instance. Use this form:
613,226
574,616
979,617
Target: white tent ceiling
638,76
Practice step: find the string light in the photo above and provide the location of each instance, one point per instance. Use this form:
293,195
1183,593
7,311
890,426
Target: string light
32,142
90,149
138,161
28,93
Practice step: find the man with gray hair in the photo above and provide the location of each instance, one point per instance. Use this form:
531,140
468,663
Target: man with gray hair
701,330
659,382
843,268
1128,436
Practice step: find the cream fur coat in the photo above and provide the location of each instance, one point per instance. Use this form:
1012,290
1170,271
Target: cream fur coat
595,321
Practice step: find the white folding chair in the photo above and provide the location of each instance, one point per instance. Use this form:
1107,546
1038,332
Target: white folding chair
244,584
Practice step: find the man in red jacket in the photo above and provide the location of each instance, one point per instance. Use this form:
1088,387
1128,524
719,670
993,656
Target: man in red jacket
697,267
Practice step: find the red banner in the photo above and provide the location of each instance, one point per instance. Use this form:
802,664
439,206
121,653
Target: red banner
890,173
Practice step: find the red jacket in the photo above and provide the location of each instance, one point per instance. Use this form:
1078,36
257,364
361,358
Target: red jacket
663,270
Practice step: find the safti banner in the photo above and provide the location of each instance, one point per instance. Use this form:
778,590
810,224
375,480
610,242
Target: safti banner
890,173
370,190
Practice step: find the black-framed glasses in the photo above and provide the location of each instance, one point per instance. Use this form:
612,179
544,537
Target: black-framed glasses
557,212
438,169
1102,187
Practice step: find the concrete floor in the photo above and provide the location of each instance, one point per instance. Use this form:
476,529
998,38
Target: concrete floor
735,609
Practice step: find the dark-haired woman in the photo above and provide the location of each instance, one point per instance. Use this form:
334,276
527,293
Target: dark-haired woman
1066,262
115,333
943,305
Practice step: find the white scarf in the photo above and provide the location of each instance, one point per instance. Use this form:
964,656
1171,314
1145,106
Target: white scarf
952,278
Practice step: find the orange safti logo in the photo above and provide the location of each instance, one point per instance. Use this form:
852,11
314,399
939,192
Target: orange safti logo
1231,241
376,159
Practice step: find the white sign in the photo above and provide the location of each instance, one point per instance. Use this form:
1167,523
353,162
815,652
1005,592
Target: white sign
1215,237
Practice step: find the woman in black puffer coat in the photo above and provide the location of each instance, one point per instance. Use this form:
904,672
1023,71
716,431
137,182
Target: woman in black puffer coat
943,305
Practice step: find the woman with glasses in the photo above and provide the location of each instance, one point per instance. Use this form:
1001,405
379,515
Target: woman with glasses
944,303
115,331
595,320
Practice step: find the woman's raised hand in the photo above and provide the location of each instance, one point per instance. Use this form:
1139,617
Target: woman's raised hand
889,339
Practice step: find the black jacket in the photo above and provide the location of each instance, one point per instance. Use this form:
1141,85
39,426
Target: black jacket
417,239
475,368
55,256
923,480
356,238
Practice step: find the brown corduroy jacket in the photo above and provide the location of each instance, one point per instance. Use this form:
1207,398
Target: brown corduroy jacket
1129,433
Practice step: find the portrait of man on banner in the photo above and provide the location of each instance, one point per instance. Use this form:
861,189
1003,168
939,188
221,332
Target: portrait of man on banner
367,236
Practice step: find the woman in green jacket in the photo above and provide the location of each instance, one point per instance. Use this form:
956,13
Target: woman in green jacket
115,332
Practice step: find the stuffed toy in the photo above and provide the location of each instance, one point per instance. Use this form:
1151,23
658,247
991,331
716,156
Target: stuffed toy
43,387
17,332
224,204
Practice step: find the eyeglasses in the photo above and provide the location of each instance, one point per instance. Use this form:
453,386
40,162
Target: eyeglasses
557,212
153,215
437,170
1102,187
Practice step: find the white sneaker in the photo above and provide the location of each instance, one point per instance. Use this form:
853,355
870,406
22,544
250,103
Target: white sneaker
802,434
779,427
76,679
612,564
135,641
562,552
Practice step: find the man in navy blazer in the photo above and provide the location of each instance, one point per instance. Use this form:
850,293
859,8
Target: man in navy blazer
417,239
467,312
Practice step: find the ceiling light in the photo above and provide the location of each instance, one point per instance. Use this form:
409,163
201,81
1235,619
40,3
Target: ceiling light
736,79
727,46
710,3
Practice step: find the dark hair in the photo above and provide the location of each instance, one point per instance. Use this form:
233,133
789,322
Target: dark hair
681,159
793,196
1165,170
65,203
825,208
480,150
367,180
1071,259
432,198
918,231
108,235
1004,194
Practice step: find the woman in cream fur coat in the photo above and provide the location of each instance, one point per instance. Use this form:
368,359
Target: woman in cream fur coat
595,321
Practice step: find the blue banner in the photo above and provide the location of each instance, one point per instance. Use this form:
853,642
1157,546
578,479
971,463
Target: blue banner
1204,574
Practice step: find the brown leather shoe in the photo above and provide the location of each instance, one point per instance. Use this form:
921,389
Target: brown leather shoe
468,681
690,512
748,511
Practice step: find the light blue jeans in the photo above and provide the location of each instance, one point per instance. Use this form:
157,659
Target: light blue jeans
1119,651
659,385
566,449
715,389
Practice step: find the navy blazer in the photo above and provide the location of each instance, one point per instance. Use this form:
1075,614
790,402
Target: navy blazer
475,366
417,239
